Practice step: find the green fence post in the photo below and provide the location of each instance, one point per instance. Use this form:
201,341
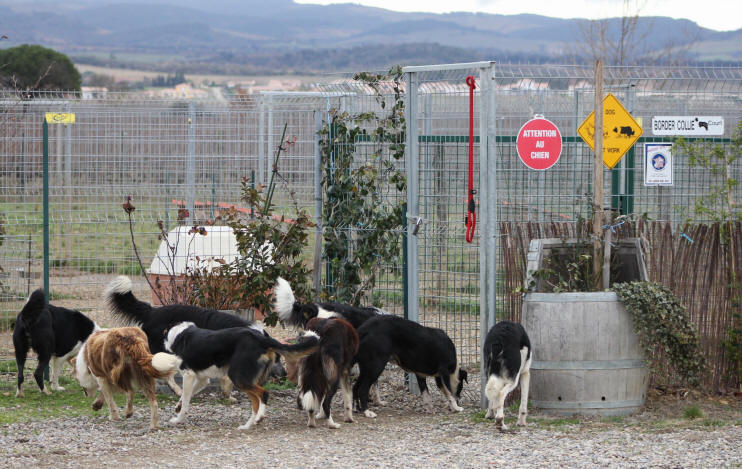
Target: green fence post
45,127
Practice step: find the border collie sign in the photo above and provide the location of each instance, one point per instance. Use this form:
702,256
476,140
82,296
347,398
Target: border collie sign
688,125
539,143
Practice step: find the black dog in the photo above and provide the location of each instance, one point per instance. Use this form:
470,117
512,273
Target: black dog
55,334
424,351
321,372
507,357
155,320
243,354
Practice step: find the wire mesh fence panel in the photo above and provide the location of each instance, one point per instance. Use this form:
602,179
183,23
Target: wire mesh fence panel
172,155
166,155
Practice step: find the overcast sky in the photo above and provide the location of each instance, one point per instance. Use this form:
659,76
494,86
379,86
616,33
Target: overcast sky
720,15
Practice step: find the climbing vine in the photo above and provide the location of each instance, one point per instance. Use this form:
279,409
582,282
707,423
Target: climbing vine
364,185
663,325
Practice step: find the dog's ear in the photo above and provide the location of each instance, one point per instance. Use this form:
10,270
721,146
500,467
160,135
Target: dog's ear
73,360
463,376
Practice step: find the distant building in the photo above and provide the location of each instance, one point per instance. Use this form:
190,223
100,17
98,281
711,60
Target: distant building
94,92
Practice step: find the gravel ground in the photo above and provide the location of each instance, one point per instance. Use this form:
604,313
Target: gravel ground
404,435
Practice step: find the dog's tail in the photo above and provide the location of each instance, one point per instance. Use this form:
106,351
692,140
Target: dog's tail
289,311
306,346
31,311
124,305
310,402
166,363
156,366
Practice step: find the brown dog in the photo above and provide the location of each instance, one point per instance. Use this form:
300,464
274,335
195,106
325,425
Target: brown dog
117,359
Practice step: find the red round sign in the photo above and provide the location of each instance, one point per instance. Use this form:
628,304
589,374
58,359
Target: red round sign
539,144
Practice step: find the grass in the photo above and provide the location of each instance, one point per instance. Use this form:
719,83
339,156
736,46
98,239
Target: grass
282,384
69,403
692,412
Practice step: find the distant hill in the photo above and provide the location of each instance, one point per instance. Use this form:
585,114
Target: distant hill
279,36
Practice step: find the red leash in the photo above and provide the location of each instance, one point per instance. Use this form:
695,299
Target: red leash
471,216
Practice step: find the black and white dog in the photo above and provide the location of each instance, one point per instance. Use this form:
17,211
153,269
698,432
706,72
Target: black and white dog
243,354
55,333
507,357
298,314
155,320
424,351
320,373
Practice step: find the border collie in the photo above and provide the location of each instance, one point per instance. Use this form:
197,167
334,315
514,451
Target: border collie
55,333
298,314
320,373
507,357
242,353
154,321
115,360
424,351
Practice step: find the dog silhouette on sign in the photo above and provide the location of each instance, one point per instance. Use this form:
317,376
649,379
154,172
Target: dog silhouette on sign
702,124
624,130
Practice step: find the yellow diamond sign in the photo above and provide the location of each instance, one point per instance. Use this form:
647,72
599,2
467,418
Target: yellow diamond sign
620,130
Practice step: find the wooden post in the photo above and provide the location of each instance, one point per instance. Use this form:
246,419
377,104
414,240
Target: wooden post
607,251
598,175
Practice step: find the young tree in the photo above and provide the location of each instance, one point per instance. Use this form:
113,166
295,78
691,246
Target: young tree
632,40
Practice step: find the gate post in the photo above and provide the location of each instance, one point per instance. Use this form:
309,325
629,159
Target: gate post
488,232
413,211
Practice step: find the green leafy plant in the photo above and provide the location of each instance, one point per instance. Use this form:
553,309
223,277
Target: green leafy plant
692,412
663,325
359,221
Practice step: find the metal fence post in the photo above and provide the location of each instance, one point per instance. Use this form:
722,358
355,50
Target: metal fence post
45,130
191,164
412,155
261,138
488,211
316,274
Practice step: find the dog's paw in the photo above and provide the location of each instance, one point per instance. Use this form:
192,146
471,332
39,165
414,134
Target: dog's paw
380,403
232,400
46,391
521,420
500,423
331,424
489,414
245,427
128,414
58,388
369,414
19,393
97,405
175,420
456,408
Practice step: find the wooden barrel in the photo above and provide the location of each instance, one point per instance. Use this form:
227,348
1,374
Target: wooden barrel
586,355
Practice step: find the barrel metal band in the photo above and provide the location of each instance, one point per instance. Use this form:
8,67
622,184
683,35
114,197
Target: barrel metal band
586,404
587,365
